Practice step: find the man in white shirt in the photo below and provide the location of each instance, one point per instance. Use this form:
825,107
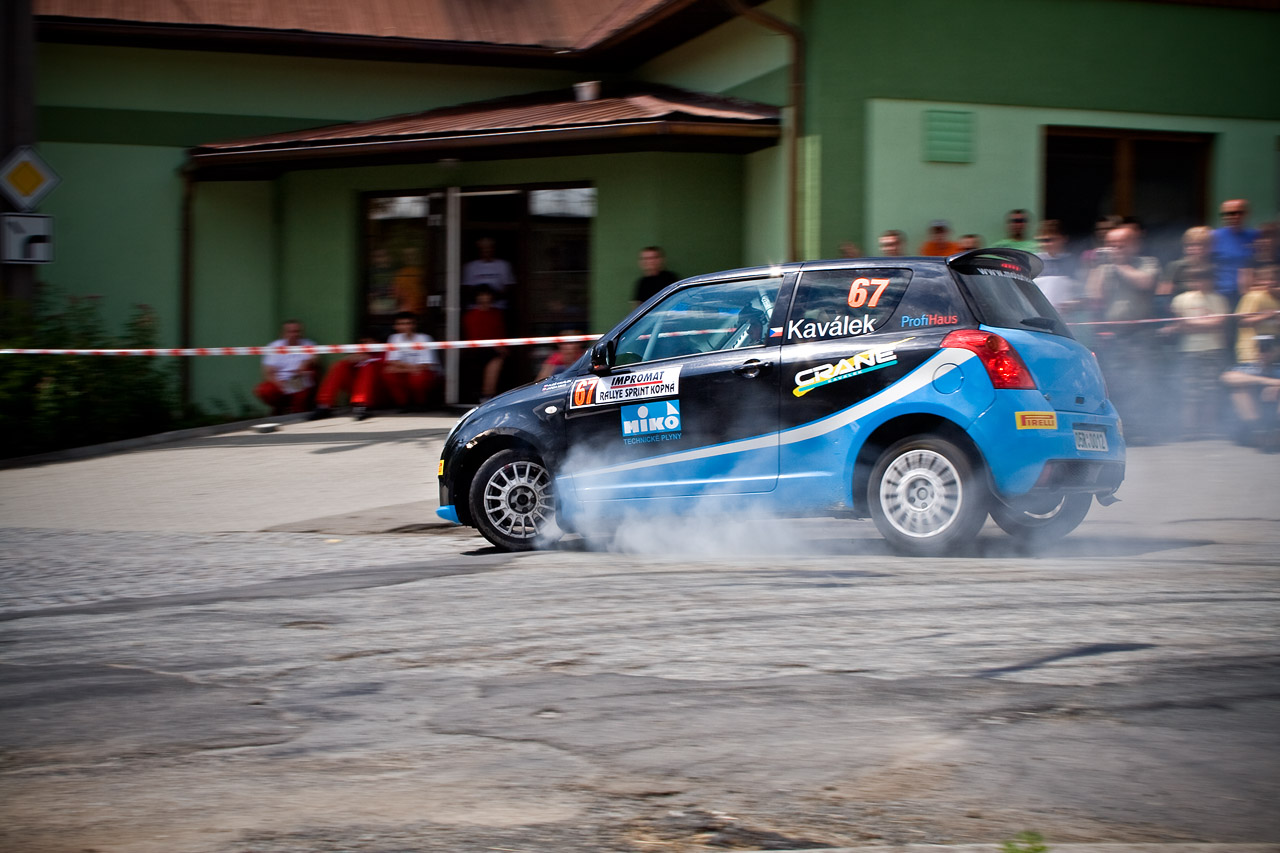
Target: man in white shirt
1058,280
1121,288
489,271
288,379
411,376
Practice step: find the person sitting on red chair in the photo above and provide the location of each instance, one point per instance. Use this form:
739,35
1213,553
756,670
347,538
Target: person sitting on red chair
288,379
360,376
411,376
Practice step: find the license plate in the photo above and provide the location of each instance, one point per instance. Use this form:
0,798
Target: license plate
1090,439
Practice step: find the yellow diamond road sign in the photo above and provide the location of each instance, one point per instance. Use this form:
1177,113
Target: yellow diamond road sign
25,178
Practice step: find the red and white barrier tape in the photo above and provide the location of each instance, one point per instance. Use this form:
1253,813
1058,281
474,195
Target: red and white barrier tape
328,349
313,349
1161,320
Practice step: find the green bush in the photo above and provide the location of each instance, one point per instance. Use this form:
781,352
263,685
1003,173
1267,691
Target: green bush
49,402
1025,842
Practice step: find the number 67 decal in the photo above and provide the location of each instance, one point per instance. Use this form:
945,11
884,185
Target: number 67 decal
858,292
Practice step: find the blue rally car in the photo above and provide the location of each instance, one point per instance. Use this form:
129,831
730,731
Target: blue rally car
925,393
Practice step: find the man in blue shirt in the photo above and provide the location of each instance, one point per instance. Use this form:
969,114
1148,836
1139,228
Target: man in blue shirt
1232,247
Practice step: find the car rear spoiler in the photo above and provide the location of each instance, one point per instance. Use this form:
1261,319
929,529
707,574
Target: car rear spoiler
1028,264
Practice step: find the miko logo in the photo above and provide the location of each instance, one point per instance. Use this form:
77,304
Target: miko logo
651,422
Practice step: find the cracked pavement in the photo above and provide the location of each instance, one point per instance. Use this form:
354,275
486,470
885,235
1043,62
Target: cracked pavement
238,687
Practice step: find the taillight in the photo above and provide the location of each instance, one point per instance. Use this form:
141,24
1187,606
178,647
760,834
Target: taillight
1097,366
1005,367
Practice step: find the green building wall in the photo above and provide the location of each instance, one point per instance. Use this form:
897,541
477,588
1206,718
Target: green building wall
745,59
117,228
236,299
1017,64
905,192
1129,57
114,124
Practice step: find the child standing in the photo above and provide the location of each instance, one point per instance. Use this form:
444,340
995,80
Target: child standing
1203,347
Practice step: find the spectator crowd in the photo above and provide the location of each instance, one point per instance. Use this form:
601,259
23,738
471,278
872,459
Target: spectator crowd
1189,347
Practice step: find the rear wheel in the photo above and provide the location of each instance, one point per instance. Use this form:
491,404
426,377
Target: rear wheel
1037,525
512,501
924,497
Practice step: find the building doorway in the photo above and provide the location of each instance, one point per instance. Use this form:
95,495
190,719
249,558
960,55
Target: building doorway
433,252
1159,179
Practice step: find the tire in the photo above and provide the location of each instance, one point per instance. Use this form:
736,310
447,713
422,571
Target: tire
512,503
1039,528
925,498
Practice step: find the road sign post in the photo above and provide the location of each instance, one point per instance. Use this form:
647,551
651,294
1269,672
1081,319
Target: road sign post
26,238
25,178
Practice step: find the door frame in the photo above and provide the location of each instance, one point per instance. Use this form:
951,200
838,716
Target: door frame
1123,166
453,225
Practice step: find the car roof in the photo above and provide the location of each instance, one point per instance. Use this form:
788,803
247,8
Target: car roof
1025,259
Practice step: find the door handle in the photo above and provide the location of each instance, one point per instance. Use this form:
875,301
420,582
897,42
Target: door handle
751,369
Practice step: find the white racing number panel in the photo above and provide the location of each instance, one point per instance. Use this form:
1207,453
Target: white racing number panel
625,387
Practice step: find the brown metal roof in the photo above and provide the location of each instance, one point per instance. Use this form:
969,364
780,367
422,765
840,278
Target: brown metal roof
554,23
435,30
633,117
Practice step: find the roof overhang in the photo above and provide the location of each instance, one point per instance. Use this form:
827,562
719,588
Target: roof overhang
288,43
548,124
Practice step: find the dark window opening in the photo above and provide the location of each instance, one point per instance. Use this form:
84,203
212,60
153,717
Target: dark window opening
1158,179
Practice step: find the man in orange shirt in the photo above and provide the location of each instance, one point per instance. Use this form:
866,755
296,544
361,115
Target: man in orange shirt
939,244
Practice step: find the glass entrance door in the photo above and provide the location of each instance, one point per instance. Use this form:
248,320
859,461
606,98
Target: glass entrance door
479,263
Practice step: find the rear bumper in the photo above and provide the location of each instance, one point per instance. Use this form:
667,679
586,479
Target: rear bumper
1080,475
1032,449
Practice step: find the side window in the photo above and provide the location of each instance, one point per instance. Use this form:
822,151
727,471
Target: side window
705,318
844,303
932,301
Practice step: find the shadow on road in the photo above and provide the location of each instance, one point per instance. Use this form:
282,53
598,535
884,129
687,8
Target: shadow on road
838,542
286,439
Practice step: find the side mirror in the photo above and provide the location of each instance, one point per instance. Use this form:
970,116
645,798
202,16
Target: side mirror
602,358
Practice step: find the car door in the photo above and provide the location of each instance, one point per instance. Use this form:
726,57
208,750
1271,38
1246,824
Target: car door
688,402
851,334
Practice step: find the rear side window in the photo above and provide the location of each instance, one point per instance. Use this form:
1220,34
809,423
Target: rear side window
1004,296
932,303
843,303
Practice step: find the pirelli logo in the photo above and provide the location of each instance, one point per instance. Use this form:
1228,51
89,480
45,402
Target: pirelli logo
1037,420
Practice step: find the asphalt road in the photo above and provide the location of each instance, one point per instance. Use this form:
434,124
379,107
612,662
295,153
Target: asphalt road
281,655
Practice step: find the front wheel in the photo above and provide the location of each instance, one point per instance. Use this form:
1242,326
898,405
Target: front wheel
512,501
924,497
1041,525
